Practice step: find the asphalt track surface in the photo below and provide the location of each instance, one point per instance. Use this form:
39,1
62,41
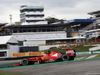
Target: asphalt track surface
84,67
9,63
16,61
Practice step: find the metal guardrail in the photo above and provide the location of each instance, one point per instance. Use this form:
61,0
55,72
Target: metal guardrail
88,52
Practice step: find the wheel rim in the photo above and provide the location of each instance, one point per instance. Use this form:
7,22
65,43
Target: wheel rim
24,62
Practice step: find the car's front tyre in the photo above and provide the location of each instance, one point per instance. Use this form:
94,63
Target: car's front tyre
24,62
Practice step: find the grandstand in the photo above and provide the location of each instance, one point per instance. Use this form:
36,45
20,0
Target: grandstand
71,27
92,30
33,28
50,32
75,25
96,16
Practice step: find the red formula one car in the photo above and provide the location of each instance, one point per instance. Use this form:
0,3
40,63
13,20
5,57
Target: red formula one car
51,57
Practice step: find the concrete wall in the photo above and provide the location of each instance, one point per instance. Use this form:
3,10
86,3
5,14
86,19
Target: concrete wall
34,42
98,21
39,35
12,49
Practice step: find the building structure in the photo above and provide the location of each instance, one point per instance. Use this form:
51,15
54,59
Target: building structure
76,27
92,30
96,15
34,34
23,33
92,33
33,28
8,44
32,15
17,23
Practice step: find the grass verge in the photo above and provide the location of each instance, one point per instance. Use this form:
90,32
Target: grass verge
78,49
10,73
97,56
82,48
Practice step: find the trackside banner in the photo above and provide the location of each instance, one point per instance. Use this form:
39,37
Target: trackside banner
90,52
95,52
26,54
83,52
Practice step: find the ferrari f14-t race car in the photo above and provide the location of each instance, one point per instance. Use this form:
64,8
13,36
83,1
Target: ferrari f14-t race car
52,56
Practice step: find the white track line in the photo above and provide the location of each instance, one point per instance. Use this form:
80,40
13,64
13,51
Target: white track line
92,56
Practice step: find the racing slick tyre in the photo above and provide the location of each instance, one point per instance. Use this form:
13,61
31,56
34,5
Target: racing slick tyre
24,62
65,57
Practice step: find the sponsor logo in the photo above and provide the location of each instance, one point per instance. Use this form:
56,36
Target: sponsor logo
55,54
46,58
42,58
26,54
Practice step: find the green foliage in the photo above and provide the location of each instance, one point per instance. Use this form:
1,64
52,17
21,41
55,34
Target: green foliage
10,73
78,49
97,56
97,50
82,48
55,49
91,39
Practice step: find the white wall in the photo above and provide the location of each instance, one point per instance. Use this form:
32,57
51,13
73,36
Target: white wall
35,23
10,49
94,48
39,35
13,49
34,42
98,21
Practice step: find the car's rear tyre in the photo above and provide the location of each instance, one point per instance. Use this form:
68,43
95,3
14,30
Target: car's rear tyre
24,62
65,57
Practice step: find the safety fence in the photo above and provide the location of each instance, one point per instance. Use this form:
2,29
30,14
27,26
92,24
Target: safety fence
89,52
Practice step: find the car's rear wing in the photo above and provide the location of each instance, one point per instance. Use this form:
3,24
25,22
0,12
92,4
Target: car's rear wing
71,52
